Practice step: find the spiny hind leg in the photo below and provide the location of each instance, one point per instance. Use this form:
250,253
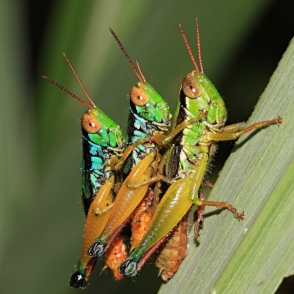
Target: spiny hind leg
198,216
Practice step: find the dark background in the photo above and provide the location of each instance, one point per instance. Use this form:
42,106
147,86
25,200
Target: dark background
42,220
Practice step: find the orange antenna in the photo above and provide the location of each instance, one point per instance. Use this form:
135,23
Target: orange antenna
140,70
68,92
199,46
141,78
79,80
188,48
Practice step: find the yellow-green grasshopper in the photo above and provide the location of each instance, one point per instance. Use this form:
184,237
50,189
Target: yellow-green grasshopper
188,158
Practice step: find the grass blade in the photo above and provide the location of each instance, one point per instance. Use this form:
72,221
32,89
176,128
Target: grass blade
252,256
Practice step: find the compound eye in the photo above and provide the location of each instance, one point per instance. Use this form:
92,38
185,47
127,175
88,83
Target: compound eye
190,87
90,123
138,96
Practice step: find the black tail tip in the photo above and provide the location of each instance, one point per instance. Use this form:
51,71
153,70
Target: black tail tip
77,280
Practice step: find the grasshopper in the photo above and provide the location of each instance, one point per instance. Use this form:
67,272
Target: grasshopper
188,159
103,143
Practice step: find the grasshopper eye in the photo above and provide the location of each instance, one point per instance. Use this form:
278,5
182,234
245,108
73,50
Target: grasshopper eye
190,87
138,96
89,123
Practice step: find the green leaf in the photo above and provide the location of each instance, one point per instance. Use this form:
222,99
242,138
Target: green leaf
254,255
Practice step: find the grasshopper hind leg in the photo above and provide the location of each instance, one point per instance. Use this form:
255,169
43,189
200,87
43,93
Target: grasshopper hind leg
198,217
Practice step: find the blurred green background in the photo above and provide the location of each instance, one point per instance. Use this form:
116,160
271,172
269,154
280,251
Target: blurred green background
42,221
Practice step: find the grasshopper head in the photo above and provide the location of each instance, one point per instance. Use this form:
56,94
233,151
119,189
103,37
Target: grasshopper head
200,93
98,128
148,104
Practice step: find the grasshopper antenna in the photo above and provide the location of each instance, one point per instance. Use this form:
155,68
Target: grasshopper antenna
140,70
68,92
199,46
138,74
188,48
79,80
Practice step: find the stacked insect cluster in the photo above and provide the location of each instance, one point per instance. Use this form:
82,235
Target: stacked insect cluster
150,181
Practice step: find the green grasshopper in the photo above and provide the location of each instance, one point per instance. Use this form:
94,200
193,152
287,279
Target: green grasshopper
149,115
103,143
188,158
